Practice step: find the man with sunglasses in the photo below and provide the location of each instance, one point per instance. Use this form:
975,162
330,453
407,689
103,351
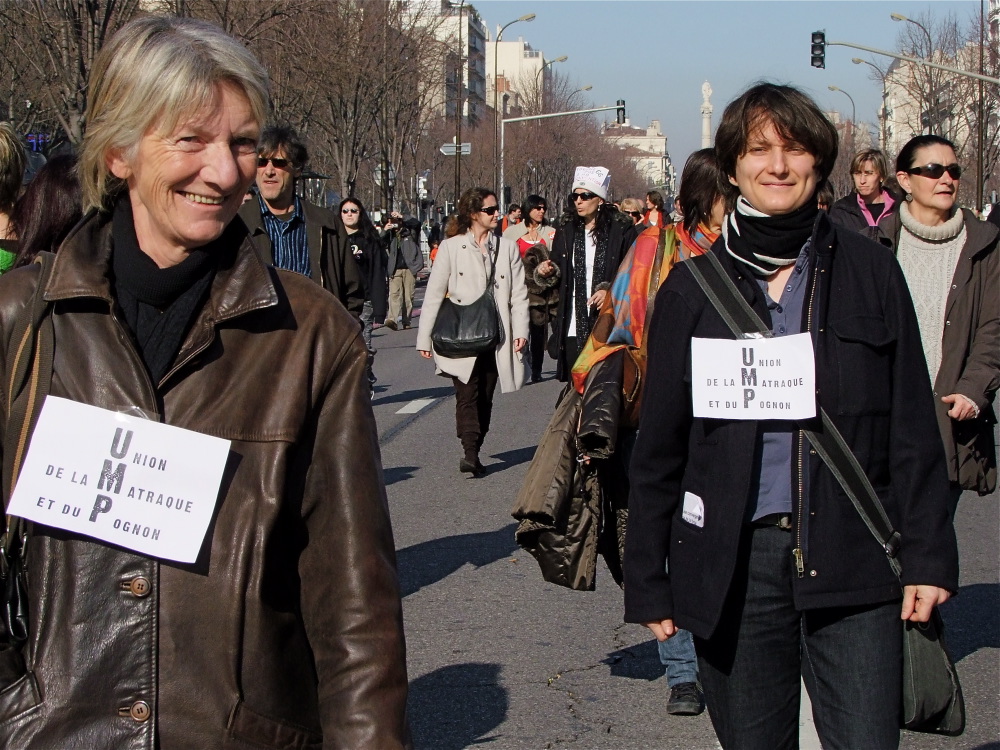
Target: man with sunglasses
293,233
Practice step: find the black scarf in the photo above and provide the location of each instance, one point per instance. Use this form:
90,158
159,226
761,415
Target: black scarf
582,286
766,243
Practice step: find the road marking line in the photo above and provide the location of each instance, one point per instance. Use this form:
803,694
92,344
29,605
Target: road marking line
414,406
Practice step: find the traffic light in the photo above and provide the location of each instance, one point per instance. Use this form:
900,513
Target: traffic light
819,49
621,111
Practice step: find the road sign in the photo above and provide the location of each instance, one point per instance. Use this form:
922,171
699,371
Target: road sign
449,149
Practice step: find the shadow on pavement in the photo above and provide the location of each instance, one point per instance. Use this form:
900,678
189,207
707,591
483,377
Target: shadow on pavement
407,396
972,620
398,474
639,662
454,706
429,562
509,459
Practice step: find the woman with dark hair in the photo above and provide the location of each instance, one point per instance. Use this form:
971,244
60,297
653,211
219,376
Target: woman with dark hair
50,206
365,245
533,228
590,244
952,266
465,261
12,161
706,197
655,216
869,208
738,529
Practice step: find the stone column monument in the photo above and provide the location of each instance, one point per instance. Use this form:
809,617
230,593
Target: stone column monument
706,115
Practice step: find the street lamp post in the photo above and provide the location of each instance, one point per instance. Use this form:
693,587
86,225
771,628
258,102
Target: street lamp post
496,115
540,81
883,114
932,99
854,111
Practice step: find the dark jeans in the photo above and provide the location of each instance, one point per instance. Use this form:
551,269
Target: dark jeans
849,657
474,402
536,344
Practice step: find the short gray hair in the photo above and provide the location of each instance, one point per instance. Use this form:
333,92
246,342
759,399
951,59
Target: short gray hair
155,71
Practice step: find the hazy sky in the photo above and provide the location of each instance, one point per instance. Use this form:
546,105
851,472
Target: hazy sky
657,54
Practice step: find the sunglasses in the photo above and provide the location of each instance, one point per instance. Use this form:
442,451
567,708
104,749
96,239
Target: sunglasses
278,163
634,214
489,209
934,171
347,210
584,196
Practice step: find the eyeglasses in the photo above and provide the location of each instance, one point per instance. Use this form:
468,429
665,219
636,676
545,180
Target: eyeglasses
348,210
634,214
490,209
278,163
934,171
539,208
584,196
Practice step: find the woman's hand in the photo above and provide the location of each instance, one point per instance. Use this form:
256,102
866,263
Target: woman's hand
662,629
962,407
424,353
920,601
546,268
597,299
519,344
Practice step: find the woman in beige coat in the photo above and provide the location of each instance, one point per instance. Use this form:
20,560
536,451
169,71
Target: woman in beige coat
461,271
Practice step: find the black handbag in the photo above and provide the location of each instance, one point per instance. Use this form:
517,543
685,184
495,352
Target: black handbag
468,330
932,695
31,354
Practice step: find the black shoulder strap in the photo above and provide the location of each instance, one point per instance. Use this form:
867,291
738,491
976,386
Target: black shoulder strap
827,441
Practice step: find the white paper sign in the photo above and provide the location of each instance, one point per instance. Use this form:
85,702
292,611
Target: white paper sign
139,484
773,378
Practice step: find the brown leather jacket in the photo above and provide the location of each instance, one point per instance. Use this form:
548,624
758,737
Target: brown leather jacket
287,632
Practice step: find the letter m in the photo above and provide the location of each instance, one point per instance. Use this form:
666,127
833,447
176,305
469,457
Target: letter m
109,478
749,376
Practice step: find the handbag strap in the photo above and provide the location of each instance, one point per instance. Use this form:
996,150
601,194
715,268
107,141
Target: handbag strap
31,352
828,443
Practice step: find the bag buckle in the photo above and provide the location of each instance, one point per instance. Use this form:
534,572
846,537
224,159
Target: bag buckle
892,546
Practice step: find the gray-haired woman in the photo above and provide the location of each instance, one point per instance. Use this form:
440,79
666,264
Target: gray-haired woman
286,631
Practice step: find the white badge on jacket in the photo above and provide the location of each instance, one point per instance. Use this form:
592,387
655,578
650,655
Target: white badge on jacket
693,510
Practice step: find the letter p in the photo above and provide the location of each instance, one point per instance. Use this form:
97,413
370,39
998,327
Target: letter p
101,505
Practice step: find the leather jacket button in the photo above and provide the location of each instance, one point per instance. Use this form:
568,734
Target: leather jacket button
140,711
139,586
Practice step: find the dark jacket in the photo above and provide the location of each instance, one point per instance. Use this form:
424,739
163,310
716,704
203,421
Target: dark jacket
287,632
543,293
847,213
406,248
970,358
329,258
871,378
369,252
621,235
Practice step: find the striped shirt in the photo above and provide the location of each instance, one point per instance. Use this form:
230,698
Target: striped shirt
288,239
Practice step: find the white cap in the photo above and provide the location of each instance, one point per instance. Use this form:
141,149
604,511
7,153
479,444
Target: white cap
595,179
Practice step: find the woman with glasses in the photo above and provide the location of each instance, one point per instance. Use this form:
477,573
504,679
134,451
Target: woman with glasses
952,267
465,261
632,207
367,249
591,242
869,208
533,229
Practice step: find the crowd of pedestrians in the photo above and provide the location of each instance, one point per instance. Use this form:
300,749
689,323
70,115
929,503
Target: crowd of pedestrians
186,263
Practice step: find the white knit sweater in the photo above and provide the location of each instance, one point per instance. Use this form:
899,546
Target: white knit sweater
928,256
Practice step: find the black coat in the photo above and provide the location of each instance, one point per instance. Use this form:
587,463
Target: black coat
871,378
621,235
372,261
847,213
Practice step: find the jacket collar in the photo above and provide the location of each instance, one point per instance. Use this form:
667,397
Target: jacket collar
82,270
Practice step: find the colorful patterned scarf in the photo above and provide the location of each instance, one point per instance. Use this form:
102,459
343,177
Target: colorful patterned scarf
622,318
690,244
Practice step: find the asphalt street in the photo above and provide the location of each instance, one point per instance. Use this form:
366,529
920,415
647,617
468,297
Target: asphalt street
498,658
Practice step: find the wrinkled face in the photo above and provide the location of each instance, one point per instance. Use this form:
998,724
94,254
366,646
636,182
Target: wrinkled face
486,217
185,186
277,184
867,181
350,214
934,193
586,203
775,176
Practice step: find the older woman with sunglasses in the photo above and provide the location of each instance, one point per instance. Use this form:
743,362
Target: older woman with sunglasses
952,266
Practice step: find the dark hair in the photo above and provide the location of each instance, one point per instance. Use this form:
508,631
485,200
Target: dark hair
824,196
654,197
470,203
276,137
876,157
702,184
48,209
606,214
908,153
530,204
794,115
512,208
365,226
